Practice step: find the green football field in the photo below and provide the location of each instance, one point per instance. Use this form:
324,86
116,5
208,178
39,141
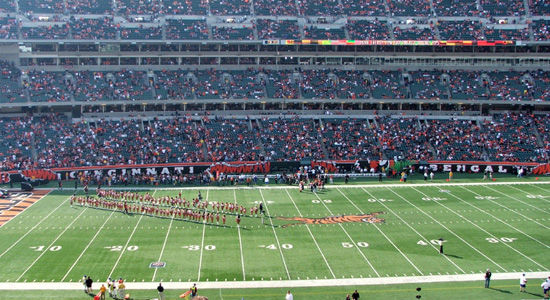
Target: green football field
370,232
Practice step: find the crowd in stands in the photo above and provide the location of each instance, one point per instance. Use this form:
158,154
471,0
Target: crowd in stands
53,140
442,8
364,8
455,8
275,8
232,33
177,29
368,30
417,8
277,29
252,83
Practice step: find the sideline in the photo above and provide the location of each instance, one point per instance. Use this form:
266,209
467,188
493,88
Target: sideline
281,283
328,186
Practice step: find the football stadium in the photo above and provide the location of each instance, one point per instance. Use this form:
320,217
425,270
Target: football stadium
274,149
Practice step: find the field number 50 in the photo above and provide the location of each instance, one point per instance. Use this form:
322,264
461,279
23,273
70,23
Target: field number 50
359,244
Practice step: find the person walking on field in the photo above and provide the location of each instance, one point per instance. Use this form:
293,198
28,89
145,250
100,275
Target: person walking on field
355,295
522,283
546,288
487,278
121,289
102,291
160,289
89,282
289,296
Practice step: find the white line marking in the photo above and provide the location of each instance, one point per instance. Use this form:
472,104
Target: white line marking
240,239
522,202
87,246
275,233
127,242
34,227
450,231
51,244
379,230
164,245
500,220
350,238
202,244
482,229
313,237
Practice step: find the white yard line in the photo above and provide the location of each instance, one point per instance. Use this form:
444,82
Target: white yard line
312,237
500,220
51,244
545,199
127,243
87,246
34,227
418,233
540,188
446,228
202,244
275,234
125,247
350,238
381,232
482,229
520,201
163,246
240,239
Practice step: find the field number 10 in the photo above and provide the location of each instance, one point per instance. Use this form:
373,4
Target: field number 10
42,248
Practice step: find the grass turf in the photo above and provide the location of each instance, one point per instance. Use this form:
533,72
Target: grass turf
502,227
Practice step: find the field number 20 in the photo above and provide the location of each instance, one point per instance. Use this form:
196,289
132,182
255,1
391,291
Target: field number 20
502,239
119,248
359,244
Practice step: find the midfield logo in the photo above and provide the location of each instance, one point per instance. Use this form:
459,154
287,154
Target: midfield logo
366,218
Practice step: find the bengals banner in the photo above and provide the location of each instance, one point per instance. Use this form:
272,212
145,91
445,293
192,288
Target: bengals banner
475,166
264,168
543,169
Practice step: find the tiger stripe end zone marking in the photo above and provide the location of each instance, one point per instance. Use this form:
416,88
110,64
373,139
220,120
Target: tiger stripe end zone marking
17,203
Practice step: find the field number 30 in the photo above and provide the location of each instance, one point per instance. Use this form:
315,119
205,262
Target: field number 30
502,239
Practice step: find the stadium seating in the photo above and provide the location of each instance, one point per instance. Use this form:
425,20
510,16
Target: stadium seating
455,8
186,29
414,33
232,33
319,8
460,30
95,28
364,8
275,8
229,8
8,28
181,7
277,29
43,141
368,30
324,33
419,8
